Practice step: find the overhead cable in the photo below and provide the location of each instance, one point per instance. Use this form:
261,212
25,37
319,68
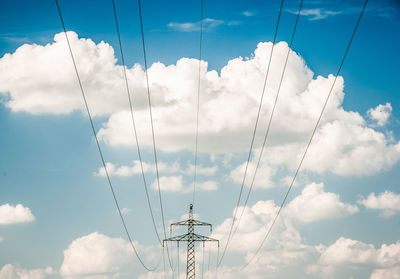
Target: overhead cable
198,100
254,134
134,123
270,118
152,128
98,145
310,140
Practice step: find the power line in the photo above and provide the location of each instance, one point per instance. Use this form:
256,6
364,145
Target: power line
309,142
254,134
198,100
152,127
271,117
134,123
98,145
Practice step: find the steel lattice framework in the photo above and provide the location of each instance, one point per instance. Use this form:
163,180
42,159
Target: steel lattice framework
190,238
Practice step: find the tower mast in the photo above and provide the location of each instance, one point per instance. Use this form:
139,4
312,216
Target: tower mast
190,237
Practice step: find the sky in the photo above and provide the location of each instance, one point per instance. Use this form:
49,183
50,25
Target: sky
58,218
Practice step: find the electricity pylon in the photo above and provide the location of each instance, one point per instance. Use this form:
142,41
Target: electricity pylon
190,238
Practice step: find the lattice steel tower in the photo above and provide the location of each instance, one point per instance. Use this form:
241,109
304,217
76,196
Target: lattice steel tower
190,238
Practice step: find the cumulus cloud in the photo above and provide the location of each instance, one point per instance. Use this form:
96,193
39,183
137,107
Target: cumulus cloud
314,204
387,202
347,251
10,214
97,256
135,168
284,251
263,179
44,87
284,254
311,205
169,183
285,248
163,167
390,273
339,260
344,144
357,150
253,226
15,271
380,114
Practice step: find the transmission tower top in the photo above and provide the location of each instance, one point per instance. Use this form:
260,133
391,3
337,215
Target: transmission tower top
190,237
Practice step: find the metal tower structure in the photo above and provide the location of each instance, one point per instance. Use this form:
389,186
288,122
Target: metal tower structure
190,237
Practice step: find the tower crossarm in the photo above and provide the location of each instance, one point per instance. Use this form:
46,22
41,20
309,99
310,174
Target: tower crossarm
190,237
190,222
202,238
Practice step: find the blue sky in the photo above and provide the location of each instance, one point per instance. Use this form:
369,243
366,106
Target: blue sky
50,164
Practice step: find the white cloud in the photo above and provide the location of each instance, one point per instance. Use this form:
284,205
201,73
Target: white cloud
10,214
314,204
327,272
285,249
353,253
380,114
347,251
208,23
390,273
311,205
285,255
1,239
163,167
125,210
317,13
263,179
208,171
388,202
319,261
208,185
174,183
249,13
344,144
15,271
351,149
282,252
253,226
43,86
95,254
136,168
159,275
169,183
